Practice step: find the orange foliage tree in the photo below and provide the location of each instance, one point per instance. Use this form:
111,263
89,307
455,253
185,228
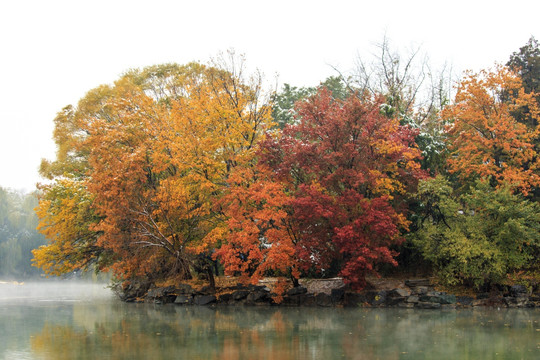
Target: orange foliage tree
160,159
65,208
485,140
258,236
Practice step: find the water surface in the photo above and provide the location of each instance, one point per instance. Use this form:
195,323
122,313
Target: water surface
84,321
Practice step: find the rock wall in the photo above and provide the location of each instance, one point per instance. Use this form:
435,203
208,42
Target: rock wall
417,293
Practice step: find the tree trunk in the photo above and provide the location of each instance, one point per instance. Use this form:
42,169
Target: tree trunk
295,281
211,278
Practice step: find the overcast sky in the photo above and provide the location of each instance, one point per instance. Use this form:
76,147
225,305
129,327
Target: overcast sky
52,52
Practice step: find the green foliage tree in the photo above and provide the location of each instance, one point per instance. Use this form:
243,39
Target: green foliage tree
284,102
480,237
526,62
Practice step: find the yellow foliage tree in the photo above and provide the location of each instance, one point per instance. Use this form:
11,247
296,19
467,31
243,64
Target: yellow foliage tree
65,213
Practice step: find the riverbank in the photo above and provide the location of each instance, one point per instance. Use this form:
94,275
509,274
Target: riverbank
407,293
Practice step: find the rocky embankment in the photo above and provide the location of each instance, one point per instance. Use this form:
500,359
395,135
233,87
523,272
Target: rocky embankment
417,293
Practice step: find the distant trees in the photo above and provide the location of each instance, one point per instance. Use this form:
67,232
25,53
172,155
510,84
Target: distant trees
18,235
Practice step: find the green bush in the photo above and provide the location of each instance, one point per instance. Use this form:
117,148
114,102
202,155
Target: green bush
478,237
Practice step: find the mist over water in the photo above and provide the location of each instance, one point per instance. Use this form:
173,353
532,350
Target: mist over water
74,320
13,292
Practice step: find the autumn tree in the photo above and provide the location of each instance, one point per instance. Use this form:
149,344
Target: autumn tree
66,216
347,168
70,132
65,205
160,159
258,238
485,140
159,168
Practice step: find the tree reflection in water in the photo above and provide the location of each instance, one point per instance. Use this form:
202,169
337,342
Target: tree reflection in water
141,331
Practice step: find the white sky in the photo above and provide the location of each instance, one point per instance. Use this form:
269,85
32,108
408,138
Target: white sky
52,52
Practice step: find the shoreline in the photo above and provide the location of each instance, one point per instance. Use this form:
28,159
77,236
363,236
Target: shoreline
409,294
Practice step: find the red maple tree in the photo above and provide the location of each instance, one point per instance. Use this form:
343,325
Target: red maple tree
347,168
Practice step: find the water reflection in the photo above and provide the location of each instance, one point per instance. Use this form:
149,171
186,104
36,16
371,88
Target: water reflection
140,331
114,330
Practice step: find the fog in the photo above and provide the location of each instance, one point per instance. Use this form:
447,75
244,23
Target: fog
57,291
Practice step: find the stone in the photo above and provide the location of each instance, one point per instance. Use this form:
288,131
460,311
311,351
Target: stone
132,290
322,299
428,305
184,289
258,296
351,299
413,299
393,301
204,299
518,290
400,292
413,283
421,290
337,295
297,291
396,296
479,302
310,300
206,290
448,298
258,288
225,298
464,300
448,306
516,302
294,300
376,298
161,295
184,300
240,294
406,305
432,298
438,297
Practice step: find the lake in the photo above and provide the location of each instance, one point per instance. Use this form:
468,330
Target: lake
84,321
